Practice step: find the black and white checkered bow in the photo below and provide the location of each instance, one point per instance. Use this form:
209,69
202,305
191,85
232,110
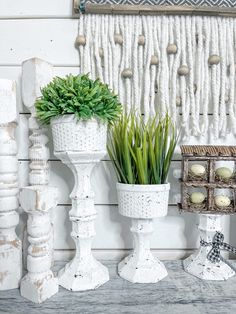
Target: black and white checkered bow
217,244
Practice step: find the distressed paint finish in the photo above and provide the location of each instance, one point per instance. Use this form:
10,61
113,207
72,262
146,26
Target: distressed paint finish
39,283
10,245
197,264
142,203
36,73
84,272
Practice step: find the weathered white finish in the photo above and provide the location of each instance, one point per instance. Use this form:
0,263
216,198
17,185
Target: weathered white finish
142,203
39,283
198,264
36,73
10,244
81,145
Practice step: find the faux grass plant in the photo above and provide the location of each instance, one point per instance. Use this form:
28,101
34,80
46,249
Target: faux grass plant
78,95
142,152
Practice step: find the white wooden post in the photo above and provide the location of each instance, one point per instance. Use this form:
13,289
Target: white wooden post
197,264
10,245
39,283
36,73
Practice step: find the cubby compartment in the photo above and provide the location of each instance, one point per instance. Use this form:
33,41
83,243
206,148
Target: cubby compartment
215,168
197,171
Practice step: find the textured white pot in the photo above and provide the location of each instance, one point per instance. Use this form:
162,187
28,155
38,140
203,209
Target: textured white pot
81,145
142,203
197,264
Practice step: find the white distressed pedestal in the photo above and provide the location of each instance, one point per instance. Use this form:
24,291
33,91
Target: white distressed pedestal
141,266
142,203
81,145
39,283
10,244
197,264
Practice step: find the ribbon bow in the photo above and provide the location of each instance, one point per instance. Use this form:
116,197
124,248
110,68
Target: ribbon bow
217,244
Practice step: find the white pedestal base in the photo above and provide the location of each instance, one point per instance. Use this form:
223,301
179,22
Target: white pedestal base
39,288
141,266
79,276
198,264
150,271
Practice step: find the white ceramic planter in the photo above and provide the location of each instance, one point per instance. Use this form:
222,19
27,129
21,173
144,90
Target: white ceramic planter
142,203
197,264
81,145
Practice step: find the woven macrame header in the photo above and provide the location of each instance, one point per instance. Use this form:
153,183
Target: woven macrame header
210,3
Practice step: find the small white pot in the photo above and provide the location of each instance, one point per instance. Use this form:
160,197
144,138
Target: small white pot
142,203
78,135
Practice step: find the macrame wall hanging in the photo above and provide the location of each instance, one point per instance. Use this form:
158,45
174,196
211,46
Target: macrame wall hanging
181,64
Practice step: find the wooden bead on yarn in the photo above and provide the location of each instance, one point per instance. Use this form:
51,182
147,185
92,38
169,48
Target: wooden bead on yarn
214,60
141,40
80,40
172,49
183,70
178,101
118,39
154,60
127,73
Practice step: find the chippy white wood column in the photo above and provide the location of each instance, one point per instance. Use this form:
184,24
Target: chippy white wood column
197,264
84,272
10,245
36,73
39,283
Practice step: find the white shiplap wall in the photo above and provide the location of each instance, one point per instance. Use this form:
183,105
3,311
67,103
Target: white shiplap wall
46,29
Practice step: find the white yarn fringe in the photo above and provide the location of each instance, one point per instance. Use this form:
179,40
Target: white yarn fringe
156,88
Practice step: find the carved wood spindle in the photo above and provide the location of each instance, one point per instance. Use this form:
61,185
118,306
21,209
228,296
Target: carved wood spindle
36,73
10,245
39,283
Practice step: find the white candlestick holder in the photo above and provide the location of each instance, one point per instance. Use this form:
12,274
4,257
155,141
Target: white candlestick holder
198,264
81,145
142,203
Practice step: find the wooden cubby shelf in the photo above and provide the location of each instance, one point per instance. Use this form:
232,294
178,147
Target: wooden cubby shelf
209,183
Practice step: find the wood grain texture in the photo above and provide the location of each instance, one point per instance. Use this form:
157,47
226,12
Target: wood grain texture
179,293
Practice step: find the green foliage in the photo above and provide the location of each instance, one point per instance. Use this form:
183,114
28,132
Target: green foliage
77,95
142,152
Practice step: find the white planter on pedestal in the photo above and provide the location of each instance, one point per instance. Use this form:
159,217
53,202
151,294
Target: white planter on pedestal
198,264
142,203
81,145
